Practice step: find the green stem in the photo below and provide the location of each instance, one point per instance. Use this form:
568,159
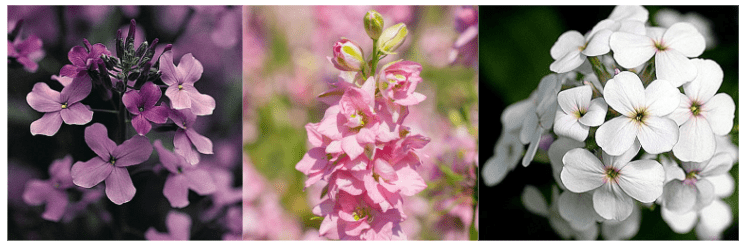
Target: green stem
374,60
121,118
600,71
648,74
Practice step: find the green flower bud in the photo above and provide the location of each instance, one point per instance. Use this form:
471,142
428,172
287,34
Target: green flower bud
373,24
392,38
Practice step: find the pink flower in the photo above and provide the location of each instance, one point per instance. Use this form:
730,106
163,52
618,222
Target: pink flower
142,105
60,106
110,163
52,191
26,52
183,177
398,81
317,162
357,218
180,80
186,136
82,58
178,225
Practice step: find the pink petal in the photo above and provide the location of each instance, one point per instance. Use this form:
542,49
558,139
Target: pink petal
167,69
76,114
141,125
154,235
44,99
151,93
189,69
169,160
48,124
201,104
176,190
351,146
156,114
119,187
77,90
56,205
68,71
133,151
36,191
132,101
178,225
89,174
78,55
200,181
202,143
182,146
179,98
97,138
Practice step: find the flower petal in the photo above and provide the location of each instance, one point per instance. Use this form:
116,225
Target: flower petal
534,201
719,111
568,41
44,99
595,115
679,197
661,98
167,69
36,191
617,135
610,202
202,104
704,194
77,56
178,225
179,98
533,147
626,229
150,94
582,171
77,90
642,180
189,69
680,223
598,44
156,114
119,187
631,50
202,143
200,181
658,134
97,138
169,160
132,101
76,114
684,38
89,174
568,125
720,163
682,113
625,93
351,147
575,99
176,190
182,146
696,142
133,151
717,216
141,125
707,82
577,209
56,206
620,161
673,66
568,62
48,124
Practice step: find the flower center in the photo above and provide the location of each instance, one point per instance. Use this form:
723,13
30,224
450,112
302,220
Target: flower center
361,212
695,108
660,46
640,116
611,173
180,87
141,109
112,160
691,177
64,106
358,119
581,112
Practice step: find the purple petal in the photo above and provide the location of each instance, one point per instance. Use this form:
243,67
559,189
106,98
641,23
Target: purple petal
78,55
30,45
179,98
56,205
178,225
150,93
169,160
28,64
182,146
77,90
98,49
133,151
201,104
59,171
176,190
141,125
69,71
132,100
65,81
89,174
119,187
44,99
202,143
167,69
156,114
154,235
200,181
97,138
189,69
76,114
36,192
47,125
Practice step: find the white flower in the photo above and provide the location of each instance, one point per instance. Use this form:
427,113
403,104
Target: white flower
509,148
577,209
572,49
642,111
671,49
541,117
695,191
577,113
615,180
622,230
535,203
701,114
667,17
556,154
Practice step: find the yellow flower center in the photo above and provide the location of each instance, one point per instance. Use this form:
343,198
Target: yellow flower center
64,106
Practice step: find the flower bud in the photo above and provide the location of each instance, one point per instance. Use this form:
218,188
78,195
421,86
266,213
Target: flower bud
119,44
348,56
373,24
392,38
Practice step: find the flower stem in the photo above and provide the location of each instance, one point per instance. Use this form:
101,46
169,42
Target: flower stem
648,74
600,71
105,111
121,117
374,61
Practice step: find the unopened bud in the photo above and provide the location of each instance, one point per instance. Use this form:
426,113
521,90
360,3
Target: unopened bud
392,38
373,24
119,44
348,56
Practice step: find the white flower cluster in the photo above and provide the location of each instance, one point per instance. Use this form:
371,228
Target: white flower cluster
639,122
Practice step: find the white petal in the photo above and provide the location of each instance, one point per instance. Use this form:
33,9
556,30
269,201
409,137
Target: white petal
620,161
679,197
568,62
672,170
533,147
661,98
704,194
595,115
530,125
616,135
724,185
629,12
534,201
575,99
513,115
658,134
610,202
719,112
599,43
568,125
577,209
708,80
673,66
567,42
556,153
631,50
582,171
717,216
614,230
507,154
642,180
682,113
696,142
684,38
633,27
625,93
680,223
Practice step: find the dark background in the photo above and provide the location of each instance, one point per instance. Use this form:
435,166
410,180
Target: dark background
514,56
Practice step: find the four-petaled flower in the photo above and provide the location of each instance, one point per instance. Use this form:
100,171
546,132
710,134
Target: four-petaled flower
51,191
26,52
60,106
180,80
183,177
142,105
577,113
111,163
186,136
82,58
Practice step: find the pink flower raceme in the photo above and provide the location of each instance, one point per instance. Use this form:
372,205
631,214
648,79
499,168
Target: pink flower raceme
178,225
51,191
357,218
183,177
180,80
397,82
82,58
142,105
26,52
111,163
60,106
186,136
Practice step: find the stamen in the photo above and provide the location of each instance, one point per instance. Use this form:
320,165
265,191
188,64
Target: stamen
64,106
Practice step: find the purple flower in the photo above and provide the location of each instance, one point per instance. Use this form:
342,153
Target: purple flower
178,225
142,104
51,191
186,136
180,80
183,177
60,106
111,163
82,58
26,52
465,48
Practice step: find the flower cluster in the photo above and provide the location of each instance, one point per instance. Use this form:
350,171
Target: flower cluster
361,148
637,120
